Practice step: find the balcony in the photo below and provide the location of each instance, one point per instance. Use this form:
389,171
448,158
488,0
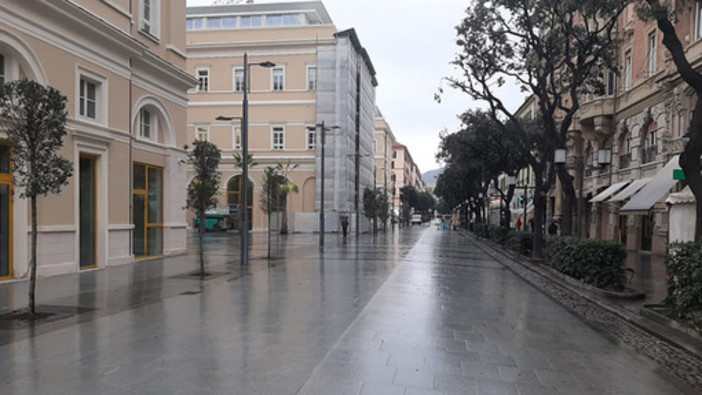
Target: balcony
648,154
625,160
596,107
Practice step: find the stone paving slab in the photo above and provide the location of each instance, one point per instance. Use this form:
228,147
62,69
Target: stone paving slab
675,360
460,323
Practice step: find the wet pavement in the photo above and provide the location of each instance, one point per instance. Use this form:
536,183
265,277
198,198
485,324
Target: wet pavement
415,311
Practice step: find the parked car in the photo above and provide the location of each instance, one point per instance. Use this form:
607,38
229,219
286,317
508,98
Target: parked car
416,219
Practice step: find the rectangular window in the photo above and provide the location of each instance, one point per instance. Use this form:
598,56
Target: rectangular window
202,133
88,98
228,22
150,17
274,20
203,79
392,164
237,137
145,124
214,22
238,80
311,78
394,154
251,21
611,83
278,138
291,20
194,23
278,79
2,69
652,54
698,20
628,72
311,137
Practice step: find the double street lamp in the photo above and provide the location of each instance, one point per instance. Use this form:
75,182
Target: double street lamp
245,156
604,157
323,129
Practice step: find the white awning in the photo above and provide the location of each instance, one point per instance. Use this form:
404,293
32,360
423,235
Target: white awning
654,190
609,191
630,190
683,197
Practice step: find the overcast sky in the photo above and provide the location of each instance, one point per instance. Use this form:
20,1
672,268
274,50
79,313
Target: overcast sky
410,43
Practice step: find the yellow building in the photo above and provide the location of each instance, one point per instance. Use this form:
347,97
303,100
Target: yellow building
121,65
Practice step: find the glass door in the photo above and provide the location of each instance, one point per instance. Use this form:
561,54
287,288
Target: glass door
147,206
88,212
5,213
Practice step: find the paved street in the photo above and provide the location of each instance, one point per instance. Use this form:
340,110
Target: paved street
415,311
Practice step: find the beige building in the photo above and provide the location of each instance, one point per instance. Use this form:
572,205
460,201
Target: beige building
121,65
320,75
404,173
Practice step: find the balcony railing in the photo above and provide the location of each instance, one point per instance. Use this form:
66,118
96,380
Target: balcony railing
648,154
625,160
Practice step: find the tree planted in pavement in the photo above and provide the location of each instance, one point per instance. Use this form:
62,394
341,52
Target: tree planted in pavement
204,187
35,125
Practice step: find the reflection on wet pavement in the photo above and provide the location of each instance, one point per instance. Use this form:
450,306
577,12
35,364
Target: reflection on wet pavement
415,311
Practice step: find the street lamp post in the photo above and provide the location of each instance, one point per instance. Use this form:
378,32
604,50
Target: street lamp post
245,156
323,129
604,158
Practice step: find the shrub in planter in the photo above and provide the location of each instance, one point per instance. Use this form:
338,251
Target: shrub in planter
499,234
520,242
599,263
684,265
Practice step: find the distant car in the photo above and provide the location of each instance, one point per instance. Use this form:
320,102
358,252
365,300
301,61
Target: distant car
416,219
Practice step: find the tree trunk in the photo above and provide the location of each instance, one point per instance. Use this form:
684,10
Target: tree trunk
539,206
284,225
567,204
33,261
201,244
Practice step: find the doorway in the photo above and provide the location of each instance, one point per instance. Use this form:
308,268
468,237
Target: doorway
147,206
234,200
646,232
5,213
87,180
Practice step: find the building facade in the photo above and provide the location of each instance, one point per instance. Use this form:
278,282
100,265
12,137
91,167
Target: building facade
320,75
627,141
121,65
404,173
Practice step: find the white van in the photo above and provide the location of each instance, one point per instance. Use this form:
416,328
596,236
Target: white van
416,219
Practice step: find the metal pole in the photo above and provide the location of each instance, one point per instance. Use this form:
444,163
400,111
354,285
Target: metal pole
581,182
245,171
321,193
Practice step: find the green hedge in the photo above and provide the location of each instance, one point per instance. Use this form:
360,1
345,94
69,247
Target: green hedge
520,242
684,265
599,263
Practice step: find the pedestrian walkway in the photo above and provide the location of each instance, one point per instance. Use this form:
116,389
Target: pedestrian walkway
415,311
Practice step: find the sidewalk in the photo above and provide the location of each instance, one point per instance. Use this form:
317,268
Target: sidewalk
415,311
